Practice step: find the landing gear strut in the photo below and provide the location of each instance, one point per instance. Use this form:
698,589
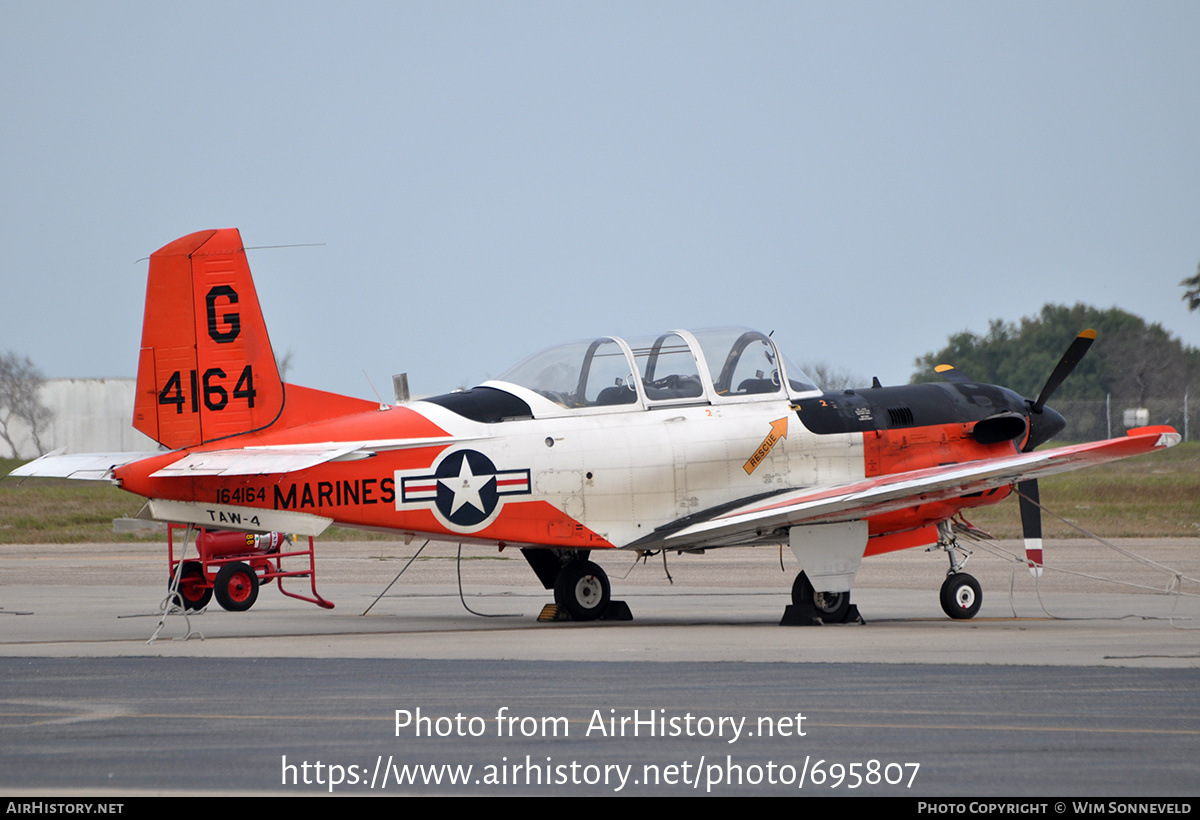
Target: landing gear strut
961,595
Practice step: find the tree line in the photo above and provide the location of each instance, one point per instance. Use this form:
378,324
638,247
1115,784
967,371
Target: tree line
1131,359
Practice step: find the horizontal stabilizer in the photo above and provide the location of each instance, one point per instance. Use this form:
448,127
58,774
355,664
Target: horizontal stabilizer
289,458
79,466
252,461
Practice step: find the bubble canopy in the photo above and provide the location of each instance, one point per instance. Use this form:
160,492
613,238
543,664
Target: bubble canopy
711,366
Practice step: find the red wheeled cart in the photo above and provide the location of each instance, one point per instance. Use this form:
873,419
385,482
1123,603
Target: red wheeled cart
233,565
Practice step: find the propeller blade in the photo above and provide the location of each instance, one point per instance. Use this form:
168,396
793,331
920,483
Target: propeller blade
1031,524
1044,424
1071,358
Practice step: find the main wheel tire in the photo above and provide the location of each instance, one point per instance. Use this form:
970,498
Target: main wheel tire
237,587
961,596
193,592
830,607
582,589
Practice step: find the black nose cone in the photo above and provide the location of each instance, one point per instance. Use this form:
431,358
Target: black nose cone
1044,426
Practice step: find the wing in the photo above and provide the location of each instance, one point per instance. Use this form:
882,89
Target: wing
873,496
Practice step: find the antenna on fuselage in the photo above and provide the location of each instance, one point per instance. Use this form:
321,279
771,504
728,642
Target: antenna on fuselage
382,405
400,387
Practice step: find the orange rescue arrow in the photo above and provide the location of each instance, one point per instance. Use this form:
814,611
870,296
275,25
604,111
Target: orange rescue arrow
778,431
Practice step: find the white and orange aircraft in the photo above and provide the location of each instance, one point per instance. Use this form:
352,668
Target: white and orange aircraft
682,441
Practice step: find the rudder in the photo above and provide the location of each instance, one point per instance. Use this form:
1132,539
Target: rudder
206,369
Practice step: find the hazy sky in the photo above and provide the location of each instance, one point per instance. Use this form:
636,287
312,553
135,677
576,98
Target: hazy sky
490,178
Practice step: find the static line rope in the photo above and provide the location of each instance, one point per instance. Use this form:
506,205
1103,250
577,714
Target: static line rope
1019,562
1171,588
397,578
263,248
1176,575
458,565
637,556
273,247
643,556
169,605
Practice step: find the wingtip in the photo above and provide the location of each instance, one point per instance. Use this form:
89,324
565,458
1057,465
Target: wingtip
1167,436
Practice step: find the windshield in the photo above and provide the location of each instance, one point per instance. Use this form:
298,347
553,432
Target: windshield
744,362
590,373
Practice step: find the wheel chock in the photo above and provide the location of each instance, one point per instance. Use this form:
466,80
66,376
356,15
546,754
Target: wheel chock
617,611
807,616
551,612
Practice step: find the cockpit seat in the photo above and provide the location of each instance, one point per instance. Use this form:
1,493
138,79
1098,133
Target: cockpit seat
618,394
753,386
674,387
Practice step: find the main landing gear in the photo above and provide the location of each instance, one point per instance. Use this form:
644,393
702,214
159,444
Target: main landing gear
961,595
581,588
812,608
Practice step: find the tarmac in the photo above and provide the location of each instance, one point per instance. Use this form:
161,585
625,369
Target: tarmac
1083,682
96,600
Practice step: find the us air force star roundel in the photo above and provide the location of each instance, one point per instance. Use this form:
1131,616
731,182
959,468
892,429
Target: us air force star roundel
466,488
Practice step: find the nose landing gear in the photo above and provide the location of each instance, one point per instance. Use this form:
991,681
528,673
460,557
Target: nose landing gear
961,595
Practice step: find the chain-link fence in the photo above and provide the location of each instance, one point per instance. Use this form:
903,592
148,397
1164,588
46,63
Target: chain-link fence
1095,420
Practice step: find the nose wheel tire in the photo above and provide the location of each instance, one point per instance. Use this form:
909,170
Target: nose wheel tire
961,596
830,607
237,587
582,589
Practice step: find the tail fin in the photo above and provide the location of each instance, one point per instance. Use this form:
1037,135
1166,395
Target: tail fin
206,369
